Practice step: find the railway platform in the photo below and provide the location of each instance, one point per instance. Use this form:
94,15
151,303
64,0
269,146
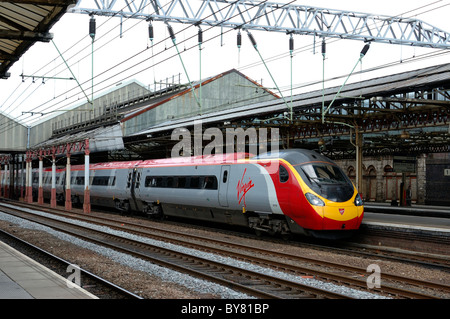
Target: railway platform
402,230
23,278
428,219
413,210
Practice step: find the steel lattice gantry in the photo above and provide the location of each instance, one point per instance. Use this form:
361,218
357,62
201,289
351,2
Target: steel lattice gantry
278,17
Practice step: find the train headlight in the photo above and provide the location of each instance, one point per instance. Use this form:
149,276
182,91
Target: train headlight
314,200
358,200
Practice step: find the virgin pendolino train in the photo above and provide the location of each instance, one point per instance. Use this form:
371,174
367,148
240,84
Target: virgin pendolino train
288,192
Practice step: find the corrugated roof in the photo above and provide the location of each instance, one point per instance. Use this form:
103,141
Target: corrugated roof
188,89
374,87
23,23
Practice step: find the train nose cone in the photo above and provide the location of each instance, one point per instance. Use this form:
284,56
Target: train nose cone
339,216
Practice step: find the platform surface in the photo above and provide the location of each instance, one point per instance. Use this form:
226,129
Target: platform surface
426,218
23,278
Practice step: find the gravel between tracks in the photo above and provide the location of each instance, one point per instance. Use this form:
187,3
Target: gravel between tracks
152,281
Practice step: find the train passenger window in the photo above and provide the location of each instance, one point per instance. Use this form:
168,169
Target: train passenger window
79,180
150,181
181,182
225,176
195,182
210,182
113,183
100,180
138,180
159,182
129,180
284,174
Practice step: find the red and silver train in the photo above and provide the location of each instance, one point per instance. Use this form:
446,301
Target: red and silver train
291,191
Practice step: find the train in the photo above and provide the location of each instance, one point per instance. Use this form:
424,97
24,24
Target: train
294,191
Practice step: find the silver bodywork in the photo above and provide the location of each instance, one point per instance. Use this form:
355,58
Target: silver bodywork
240,187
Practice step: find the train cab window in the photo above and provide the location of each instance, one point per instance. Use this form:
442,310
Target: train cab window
284,174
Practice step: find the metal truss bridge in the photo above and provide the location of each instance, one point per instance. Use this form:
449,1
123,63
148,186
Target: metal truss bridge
275,17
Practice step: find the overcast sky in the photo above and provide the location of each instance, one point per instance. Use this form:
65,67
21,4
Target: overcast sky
118,59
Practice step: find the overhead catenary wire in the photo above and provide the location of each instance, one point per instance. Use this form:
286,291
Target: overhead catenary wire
132,66
172,56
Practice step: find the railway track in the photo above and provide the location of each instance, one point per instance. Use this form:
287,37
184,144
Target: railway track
339,274
97,285
252,283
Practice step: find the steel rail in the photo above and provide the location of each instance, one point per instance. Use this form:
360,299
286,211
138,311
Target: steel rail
130,247
84,272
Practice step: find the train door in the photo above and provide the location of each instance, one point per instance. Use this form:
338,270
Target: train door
137,183
223,185
133,184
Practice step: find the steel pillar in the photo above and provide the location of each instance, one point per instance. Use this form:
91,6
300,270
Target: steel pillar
359,155
29,182
53,191
5,181
40,189
87,194
68,204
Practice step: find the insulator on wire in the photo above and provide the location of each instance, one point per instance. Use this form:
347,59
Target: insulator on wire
172,35
92,27
200,36
150,32
324,49
365,49
239,39
291,43
252,39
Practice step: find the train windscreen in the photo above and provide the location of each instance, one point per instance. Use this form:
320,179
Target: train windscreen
327,180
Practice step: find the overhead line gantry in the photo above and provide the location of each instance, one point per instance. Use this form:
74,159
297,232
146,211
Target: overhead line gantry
277,17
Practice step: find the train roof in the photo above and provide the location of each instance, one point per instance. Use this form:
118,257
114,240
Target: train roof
174,161
293,156
197,160
296,156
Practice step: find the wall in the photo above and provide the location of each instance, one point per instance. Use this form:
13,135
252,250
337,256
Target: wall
438,185
42,131
13,136
381,184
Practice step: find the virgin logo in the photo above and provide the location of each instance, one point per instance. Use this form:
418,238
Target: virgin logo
243,188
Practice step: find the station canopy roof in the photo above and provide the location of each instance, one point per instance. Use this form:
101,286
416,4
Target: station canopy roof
23,23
